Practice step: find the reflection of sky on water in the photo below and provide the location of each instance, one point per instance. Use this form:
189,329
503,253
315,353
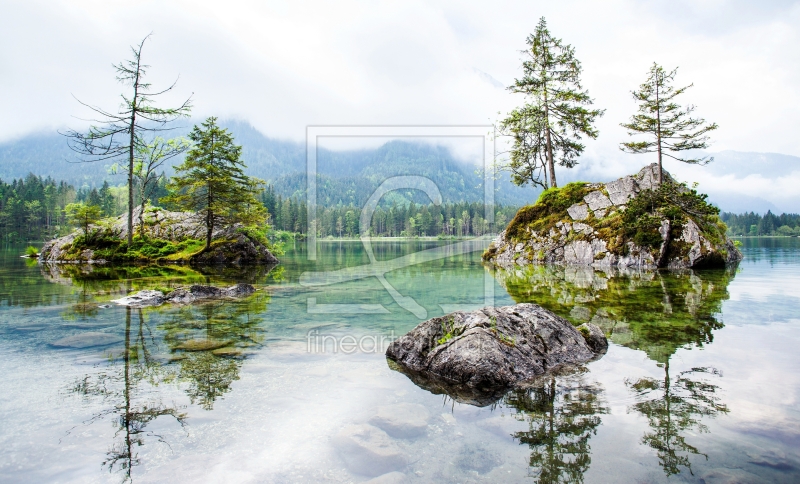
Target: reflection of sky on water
277,421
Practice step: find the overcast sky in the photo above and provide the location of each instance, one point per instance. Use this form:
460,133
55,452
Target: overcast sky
285,65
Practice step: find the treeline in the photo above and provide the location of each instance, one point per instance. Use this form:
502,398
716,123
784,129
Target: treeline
411,220
33,208
753,224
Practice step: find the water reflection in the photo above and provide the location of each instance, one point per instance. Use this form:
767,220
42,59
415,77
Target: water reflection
562,413
126,386
673,408
198,349
657,312
653,311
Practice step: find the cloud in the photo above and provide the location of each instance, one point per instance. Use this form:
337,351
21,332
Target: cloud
285,65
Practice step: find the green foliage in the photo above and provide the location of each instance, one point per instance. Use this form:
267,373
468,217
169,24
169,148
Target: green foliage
556,115
33,208
211,181
669,126
83,215
107,246
675,202
449,330
753,224
550,208
31,251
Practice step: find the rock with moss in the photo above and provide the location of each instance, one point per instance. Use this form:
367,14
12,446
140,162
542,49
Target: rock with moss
475,356
631,222
164,237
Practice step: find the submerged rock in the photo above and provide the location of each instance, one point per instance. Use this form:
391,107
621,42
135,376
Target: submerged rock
199,292
402,420
193,294
87,340
585,224
141,299
368,450
476,356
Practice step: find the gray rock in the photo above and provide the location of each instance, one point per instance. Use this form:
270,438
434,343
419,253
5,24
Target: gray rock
368,450
490,348
402,420
578,211
594,337
691,250
87,340
622,190
193,294
199,292
578,252
141,299
596,200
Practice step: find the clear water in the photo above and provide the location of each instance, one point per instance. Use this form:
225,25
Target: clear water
700,384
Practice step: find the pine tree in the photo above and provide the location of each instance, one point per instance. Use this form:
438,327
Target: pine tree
211,181
119,134
556,115
670,126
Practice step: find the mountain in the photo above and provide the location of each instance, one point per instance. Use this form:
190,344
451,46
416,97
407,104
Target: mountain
343,176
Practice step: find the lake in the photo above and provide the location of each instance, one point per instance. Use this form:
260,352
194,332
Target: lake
700,384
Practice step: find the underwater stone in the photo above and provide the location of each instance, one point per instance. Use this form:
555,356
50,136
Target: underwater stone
87,340
141,299
368,450
403,420
478,352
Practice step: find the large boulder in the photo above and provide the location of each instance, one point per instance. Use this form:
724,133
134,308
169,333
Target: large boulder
585,224
476,356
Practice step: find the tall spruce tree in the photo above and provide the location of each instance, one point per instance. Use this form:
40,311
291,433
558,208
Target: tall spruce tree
549,127
670,127
211,181
120,135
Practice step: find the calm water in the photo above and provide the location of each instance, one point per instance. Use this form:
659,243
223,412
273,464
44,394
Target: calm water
701,382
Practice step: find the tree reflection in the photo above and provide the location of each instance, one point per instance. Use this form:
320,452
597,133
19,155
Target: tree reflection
657,312
207,343
126,384
563,413
673,406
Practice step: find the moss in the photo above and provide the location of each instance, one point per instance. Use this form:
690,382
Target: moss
584,332
549,209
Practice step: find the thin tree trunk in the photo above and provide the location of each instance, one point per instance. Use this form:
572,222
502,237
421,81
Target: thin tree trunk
550,164
658,133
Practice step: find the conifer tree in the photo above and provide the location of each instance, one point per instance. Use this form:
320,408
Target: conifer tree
670,127
119,135
549,127
211,181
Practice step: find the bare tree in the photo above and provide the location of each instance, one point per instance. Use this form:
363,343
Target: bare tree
120,135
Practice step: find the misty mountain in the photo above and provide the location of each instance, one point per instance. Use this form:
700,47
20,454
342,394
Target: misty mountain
350,176
343,176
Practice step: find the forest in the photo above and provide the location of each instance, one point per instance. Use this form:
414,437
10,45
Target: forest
33,209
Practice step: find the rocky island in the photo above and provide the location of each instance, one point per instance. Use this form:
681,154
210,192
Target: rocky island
634,221
164,236
477,356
